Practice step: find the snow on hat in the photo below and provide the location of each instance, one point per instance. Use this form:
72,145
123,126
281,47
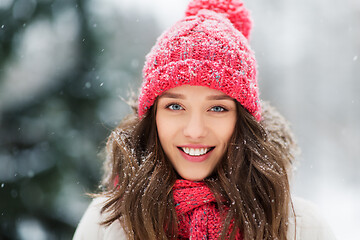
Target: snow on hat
208,47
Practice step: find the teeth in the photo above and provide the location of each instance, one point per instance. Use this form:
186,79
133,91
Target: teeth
195,151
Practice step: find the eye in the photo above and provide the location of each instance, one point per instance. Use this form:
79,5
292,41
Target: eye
218,109
174,107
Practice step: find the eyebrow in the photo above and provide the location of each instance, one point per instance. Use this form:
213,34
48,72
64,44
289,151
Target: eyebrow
171,95
219,97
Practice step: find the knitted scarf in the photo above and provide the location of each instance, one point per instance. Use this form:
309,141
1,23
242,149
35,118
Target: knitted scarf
197,213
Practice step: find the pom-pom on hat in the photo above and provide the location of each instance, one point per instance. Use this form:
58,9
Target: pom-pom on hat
208,47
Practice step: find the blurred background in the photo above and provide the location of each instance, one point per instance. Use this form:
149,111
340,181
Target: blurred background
66,65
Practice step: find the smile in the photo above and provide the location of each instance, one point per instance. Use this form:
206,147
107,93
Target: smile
196,151
195,154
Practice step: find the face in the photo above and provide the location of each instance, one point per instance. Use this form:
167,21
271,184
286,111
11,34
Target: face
194,125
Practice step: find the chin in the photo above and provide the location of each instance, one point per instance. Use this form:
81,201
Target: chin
195,177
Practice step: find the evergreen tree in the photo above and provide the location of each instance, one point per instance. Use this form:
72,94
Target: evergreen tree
51,135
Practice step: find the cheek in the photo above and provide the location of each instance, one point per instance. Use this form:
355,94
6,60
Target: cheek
224,130
166,129
160,128
229,132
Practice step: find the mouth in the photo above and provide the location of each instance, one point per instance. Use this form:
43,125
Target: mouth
196,152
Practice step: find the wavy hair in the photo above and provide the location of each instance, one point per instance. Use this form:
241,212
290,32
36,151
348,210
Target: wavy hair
252,178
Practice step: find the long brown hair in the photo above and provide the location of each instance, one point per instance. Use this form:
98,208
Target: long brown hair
251,177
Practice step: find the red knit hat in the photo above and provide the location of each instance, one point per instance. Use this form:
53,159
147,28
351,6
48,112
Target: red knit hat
209,47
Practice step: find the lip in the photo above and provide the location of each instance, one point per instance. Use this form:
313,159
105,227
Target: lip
195,146
195,158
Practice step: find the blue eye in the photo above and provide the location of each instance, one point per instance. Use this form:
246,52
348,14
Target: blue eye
175,107
218,109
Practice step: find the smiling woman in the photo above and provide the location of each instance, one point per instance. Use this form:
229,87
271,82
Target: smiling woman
197,160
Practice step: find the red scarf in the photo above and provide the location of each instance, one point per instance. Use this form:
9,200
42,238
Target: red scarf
196,209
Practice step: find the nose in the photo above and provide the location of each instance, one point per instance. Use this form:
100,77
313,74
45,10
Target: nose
195,126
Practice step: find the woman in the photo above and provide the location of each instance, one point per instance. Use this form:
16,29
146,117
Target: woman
198,160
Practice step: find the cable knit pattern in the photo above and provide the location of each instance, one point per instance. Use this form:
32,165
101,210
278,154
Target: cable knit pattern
196,208
204,49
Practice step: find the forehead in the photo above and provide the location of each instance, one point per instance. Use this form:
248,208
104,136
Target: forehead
188,90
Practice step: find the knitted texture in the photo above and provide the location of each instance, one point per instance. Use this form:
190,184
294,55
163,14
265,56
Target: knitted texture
197,213
233,10
204,49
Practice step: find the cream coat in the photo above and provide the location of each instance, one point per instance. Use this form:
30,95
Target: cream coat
309,225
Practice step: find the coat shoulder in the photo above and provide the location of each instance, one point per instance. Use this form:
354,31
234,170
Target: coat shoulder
310,225
90,227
